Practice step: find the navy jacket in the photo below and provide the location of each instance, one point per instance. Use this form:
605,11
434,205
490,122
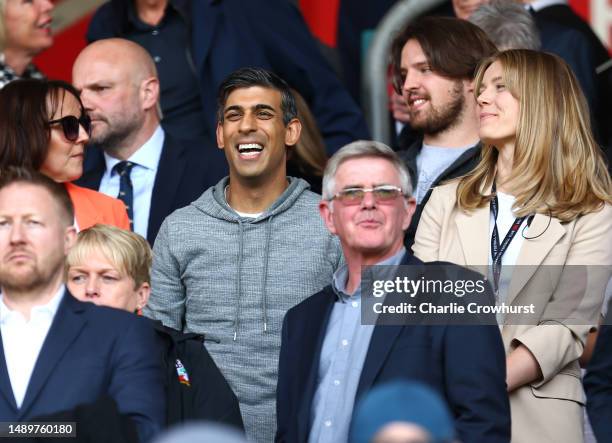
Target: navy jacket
183,174
465,364
92,352
598,383
230,34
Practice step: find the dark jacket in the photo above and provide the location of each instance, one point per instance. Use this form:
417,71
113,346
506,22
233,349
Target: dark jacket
598,383
90,352
195,387
464,164
465,364
97,422
230,34
183,174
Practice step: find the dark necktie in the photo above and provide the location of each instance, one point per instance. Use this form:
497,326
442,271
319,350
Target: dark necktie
126,191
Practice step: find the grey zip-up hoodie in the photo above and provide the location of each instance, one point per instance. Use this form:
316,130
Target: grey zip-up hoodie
233,278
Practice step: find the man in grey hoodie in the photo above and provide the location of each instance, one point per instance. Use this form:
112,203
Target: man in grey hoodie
251,247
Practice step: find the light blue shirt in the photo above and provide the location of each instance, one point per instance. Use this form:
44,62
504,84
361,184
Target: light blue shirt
343,353
146,161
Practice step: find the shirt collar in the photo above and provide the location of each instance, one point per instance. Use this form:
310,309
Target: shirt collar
50,308
541,4
147,156
341,276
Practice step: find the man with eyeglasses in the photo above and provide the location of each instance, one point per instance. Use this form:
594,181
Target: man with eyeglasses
130,156
329,359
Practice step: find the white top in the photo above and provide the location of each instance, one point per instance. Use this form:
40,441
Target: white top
541,4
146,161
23,340
505,219
432,161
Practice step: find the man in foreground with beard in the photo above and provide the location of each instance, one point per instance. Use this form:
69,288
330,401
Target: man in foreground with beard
434,63
58,353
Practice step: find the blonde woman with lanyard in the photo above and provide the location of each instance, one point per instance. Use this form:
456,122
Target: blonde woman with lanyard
543,194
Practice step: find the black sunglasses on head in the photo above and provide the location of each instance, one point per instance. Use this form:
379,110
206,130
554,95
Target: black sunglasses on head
70,125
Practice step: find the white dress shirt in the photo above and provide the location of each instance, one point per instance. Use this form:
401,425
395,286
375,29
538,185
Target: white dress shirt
541,4
146,162
22,340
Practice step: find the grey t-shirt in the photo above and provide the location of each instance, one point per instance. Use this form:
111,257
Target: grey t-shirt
432,161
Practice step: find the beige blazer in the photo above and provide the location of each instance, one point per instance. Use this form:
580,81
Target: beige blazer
549,410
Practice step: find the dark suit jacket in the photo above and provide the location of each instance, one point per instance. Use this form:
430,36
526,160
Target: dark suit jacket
90,352
230,34
465,364
183,174
598,383
464,164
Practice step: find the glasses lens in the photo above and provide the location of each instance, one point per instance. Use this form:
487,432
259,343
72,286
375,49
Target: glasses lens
70,125
85,122
385,193
351,196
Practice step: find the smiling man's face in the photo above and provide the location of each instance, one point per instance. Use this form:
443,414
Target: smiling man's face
253,134
371,229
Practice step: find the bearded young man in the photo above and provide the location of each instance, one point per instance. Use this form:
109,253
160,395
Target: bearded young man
434,63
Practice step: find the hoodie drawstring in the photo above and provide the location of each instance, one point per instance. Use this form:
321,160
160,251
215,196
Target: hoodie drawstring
264,297
239,278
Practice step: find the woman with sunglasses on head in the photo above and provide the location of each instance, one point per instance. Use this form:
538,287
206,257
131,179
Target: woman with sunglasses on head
25,30
43,126
536,211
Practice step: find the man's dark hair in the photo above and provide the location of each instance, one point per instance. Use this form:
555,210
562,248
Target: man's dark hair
249,77
453,47
15,175
25,107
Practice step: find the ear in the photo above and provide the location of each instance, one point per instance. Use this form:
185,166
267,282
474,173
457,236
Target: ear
142,295
149,93
409,208
220,141
70,237
468,85
292,132
327,214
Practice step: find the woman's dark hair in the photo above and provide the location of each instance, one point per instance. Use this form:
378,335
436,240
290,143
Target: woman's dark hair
25,107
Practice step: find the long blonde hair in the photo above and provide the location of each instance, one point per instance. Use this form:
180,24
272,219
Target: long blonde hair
558,168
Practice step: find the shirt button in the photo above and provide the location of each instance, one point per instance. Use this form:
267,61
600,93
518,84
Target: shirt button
344,342
337,382
155,32
328,423
355,304
157,59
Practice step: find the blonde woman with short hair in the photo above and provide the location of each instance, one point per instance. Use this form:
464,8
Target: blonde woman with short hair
540,198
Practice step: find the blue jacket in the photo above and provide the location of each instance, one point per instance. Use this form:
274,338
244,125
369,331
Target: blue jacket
92,352
465,364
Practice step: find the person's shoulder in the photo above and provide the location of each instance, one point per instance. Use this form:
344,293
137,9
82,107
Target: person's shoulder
315,302
97,198
601,216
104,315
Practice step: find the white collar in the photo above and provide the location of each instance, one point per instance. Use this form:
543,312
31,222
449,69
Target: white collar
146,156
541,4
50,308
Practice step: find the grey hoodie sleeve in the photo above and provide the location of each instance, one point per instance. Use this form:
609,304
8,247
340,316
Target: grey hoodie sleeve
167,301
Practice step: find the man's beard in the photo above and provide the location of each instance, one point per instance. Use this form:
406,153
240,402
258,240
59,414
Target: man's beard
115,136
28,281
440,119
